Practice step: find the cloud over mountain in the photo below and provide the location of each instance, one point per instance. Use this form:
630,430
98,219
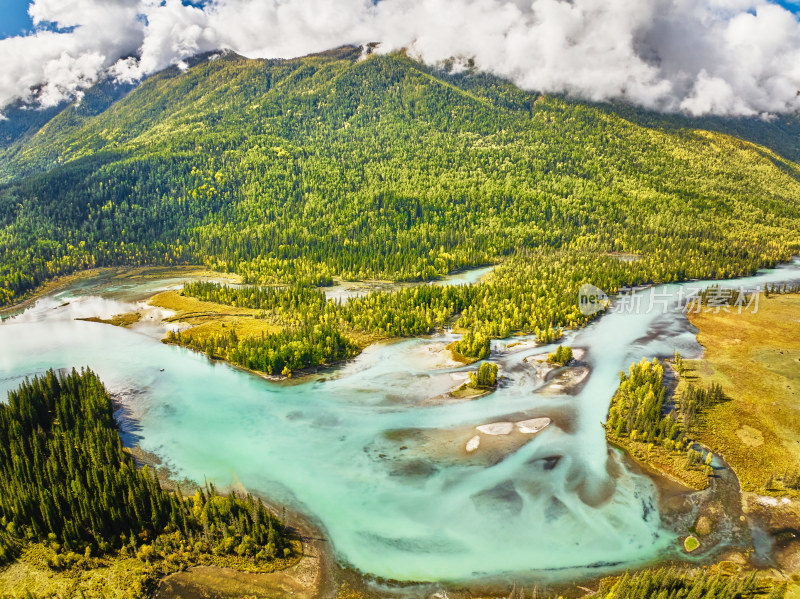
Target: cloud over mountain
726,57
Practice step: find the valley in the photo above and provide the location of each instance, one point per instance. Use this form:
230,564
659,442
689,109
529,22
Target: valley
348,284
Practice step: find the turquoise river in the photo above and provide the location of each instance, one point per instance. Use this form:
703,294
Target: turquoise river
374,451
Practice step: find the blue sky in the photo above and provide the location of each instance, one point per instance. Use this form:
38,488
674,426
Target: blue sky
14,18
793,5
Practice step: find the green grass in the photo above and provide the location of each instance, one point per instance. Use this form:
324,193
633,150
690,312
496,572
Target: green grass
691,544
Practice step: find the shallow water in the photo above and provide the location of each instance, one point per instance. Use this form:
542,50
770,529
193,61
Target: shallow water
366,452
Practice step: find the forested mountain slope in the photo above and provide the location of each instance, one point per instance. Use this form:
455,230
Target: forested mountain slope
779,133
334,165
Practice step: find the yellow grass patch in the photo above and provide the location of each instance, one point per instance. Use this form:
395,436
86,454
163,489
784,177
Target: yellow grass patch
467,392
209,319
118,320
755,357
750,436
115,578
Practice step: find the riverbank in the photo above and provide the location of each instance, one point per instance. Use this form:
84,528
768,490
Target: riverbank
50,286
312,575
668,457
165,307
174,567
461,359
754,356
127,554
659,462
125,575
200,322
121,273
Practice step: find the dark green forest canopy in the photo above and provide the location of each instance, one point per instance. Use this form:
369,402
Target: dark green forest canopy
326,166
65,479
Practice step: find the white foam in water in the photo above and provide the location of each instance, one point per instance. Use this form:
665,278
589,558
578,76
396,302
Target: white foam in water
393,511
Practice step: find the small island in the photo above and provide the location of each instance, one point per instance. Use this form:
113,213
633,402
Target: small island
481,382
561,357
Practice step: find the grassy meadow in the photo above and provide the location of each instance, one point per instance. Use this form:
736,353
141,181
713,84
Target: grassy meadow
755,357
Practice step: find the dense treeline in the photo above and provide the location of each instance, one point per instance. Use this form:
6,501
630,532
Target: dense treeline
406,312
562,356
669,583
474,344
533,291
295,299
298,171
283,352
66,480
403,313
780,289
637,407
485,377
63,470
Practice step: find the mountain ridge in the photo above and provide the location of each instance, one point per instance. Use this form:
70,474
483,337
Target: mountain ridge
339,165
779,134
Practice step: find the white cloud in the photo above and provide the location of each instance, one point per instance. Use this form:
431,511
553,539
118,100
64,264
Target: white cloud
97,34
732,57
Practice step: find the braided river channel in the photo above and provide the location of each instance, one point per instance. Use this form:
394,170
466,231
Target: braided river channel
375,450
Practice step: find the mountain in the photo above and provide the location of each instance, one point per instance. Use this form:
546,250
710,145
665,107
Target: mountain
22,121
341,164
